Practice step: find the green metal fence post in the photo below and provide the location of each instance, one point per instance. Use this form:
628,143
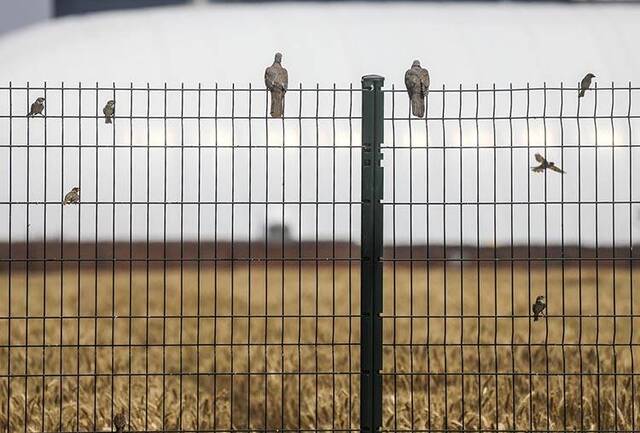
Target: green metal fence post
371,253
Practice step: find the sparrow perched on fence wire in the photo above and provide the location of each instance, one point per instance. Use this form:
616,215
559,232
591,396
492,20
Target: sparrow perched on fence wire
37,107
72,197
109,110
276,78
417,81
544,164
538,307
120,422
585,83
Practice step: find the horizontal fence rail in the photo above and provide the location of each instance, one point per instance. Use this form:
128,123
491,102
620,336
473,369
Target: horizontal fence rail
347,267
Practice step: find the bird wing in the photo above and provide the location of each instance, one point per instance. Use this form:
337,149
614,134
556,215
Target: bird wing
539,158
556,169
424,79
284,78
585,83
538,169
269,77
412,82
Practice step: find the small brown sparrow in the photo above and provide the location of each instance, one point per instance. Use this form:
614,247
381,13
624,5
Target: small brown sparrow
72,197
37,107
585,83
120,422
109,110
538,307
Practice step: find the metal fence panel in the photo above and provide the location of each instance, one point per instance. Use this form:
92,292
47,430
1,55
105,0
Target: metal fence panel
210,277
474,236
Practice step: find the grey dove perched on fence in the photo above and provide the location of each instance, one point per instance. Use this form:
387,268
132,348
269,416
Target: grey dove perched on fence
585,84
276,78
417,81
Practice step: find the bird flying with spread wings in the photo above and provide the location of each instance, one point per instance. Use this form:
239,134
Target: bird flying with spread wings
417,81
544,164
585,84
276,78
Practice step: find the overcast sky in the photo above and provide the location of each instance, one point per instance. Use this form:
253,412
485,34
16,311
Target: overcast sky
458,43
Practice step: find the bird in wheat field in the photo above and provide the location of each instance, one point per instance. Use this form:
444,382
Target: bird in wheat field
538,307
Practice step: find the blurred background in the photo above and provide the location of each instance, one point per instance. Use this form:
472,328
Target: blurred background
18,14
70,46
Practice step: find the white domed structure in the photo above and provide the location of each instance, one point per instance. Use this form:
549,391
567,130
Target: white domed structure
322,43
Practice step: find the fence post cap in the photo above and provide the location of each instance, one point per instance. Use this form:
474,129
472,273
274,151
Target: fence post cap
372,78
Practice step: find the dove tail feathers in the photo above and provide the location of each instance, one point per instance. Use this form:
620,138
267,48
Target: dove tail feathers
417,106
107,119
277,103
581,93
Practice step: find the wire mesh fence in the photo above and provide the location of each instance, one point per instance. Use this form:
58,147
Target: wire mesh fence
225,270
475,236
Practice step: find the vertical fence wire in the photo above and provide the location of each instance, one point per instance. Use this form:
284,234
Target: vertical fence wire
631,300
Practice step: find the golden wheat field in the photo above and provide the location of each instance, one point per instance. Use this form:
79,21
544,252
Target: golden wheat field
275,347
